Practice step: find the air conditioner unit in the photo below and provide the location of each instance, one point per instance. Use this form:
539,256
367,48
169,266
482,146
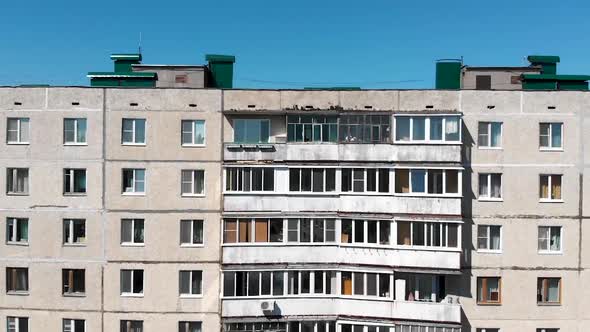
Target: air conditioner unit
267,306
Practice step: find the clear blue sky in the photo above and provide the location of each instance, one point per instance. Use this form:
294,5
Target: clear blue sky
372,44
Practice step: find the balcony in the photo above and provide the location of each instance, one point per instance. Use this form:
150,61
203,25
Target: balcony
450,153
342,254
399,204
402,310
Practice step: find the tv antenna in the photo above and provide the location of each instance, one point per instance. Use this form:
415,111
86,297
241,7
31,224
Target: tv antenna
140,42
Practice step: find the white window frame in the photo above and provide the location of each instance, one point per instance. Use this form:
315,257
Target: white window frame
252,119
365,325
76,138
72,323
19,125
489,146
489,239
133,191
366,242
446,247
134,132
241,170
365,190
411,192
192,228
192,132
190,285
11,238
311,192
549,185
427,129
71,172
194,173
18,292
489,329
132,243
16,323
286,230
132,275
548,251
550,146
14,184
488,197
70,224
364,274
187,324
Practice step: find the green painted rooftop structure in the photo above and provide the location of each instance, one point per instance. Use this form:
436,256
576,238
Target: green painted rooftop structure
219,72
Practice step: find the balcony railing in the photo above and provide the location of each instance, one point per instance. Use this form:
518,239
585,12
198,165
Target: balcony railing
402,310
343,152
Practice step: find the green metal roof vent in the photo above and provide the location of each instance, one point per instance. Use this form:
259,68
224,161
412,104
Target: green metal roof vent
123,74
547,62
221,68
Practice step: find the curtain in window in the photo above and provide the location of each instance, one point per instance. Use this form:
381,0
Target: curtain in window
418,180
452,128
138,231
555,239
556,187
22,282
496,186
22,181
24,130
556,135
495,238
552,290
199,137
496,138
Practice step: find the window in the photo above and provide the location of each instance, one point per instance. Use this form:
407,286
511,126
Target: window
17,231
191,232
489,238
422,287
427,129
550,188
365,128
193,182
193,132
17,324
133,132
490,186
312,179
132,231
489,134
365,231
265,230
487,330
133,181
365,284
548,290
131,326
549,239
427,181
249,179
256,283
17,280
312,128
191,283
311,230
17,131
74,181
428,234
74,131
365,180
251,130
489,290
73,281
17,181
74,325
550,135
547,330
74,231
131,282
189,326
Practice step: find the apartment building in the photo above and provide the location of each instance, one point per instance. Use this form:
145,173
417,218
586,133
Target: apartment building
177,209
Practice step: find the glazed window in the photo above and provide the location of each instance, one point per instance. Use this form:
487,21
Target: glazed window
427,129
489,134
252,230
133,132
73,325
427,234
74,131
193,132
550,135
131,326
365,128
17,231
549,239
189,326
550,188
74,231
249,179
191,232
489,290
17,324
365,284
427,181
489,238
253,283
74,181
73,281
17,280
131,282
312,179
312,128
191,283
490,186
193,182
17,131
17,181
365,231
133,181
365,180
132,231
251,130
549,290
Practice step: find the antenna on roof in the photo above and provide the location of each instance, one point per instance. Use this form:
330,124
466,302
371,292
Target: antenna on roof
140,42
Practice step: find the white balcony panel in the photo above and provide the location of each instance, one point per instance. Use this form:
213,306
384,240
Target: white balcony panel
340,254
343,203
346,152
402,310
